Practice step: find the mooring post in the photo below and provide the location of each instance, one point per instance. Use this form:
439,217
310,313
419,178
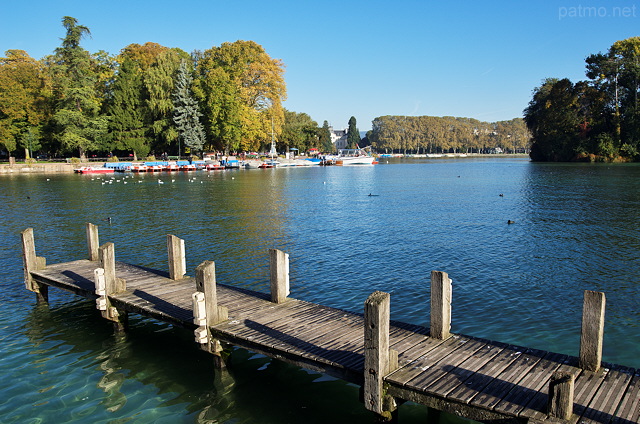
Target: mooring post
177,258
279,267
112,285
560,401
378,359
591,337
31,262
440,305
93,241
207,312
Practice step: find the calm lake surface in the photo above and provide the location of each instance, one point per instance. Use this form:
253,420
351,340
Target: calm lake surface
577,227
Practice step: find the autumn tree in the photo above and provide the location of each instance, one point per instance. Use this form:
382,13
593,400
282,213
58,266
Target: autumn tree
241,90
24,101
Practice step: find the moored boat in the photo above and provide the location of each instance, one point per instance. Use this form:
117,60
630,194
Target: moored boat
354,157
94,170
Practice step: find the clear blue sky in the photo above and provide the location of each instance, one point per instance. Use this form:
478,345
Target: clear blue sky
360,58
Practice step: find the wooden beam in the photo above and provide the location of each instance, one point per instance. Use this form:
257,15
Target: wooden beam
279,267
112,285
206,283
440,305
31,262
560,401
177,258
377,362
591,337
93,241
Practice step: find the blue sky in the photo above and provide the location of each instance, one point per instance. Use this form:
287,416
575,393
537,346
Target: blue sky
360,58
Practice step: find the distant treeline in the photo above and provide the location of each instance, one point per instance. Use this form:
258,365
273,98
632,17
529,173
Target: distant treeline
431,134
593,120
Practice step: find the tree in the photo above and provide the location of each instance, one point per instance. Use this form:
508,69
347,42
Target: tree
553,119
126,112
24,99
240,89
78,124
353,135
299,131
186,113
324,138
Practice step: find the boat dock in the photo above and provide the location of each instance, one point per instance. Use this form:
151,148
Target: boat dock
393,362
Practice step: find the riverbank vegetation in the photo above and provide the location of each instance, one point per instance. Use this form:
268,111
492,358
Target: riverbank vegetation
593,120
431,134
146,99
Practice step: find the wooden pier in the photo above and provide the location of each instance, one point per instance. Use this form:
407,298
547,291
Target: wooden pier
392,361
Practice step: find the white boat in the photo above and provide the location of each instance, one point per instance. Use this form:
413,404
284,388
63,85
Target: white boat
354,157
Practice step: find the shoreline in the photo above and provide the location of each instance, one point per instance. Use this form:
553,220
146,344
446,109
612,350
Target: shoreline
69,168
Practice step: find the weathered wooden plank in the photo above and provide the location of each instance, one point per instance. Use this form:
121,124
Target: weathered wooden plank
629,409
507,380
484,376
535,382
606,400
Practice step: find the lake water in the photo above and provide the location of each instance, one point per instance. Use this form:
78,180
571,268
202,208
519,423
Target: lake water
576,227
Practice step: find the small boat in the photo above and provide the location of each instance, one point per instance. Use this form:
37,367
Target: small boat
232,164
213,166
139,167
354,157
94,170
188,167
171,167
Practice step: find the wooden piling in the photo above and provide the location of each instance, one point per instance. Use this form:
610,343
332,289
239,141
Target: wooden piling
112,285
591,337
440,305
560,401
377,357
31,262
93,241
214,313
177,258
279,267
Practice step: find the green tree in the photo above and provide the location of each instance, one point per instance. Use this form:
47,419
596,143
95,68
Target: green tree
126,112
186,113
553,119
299,131
78,124
353,135
324,138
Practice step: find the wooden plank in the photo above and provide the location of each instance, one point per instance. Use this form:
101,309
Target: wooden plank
534,384
606,400
629,409
507,380
480,379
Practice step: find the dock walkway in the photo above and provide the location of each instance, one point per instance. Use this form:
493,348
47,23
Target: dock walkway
474,378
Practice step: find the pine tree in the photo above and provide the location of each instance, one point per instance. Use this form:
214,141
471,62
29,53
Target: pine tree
186,113
353,135
325,138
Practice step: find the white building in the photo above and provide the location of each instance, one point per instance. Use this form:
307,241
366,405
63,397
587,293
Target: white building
339,138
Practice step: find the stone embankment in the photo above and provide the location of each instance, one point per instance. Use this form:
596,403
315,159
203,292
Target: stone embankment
37,168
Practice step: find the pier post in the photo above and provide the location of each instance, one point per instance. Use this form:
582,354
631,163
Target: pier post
591,336
378,359
112,285
440,305
213,313
93,242
279,267
177,258
560,401
31,262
